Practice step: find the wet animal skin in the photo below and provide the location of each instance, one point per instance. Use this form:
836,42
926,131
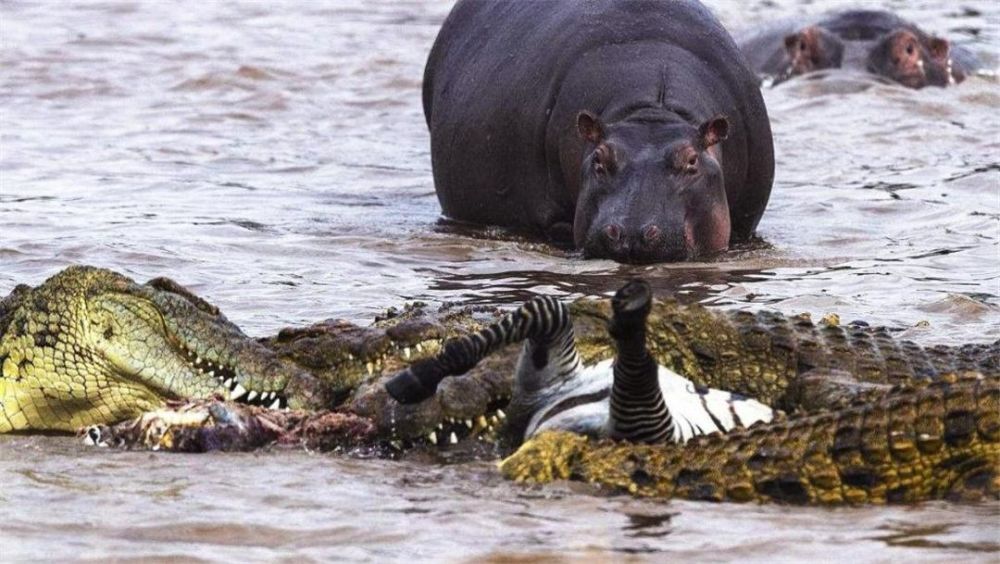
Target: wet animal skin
875,41
632,131
892,421
936,440
91,346
926,439
632,399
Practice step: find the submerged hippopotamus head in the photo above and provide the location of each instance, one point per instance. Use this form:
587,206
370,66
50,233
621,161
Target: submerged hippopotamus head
913,59
651,188
811,49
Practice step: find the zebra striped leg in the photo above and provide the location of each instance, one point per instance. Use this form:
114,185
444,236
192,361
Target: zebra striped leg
638,412
543,320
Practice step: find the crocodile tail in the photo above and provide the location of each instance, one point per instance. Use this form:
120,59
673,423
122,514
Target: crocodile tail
638,412
544,320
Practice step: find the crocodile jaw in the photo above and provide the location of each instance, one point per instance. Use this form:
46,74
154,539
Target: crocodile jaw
141,342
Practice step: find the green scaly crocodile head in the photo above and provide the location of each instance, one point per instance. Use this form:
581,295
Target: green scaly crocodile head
91,346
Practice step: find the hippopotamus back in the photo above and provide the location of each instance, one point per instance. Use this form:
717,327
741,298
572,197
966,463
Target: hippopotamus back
506,88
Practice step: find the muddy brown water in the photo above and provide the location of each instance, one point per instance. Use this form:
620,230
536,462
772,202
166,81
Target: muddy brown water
272,156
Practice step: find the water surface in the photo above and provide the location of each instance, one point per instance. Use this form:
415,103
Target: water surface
272,156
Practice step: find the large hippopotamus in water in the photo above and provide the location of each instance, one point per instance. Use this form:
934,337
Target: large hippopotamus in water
874,41
632,128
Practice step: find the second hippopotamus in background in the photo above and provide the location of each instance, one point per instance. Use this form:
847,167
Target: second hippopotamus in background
633,128
874,41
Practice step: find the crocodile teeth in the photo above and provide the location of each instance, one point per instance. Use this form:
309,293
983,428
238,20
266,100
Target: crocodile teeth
495,420
481,421
276,404
453,439
371,368
211,373
441,426
501,414
238,392
433,438
406,353
252,395
468,423
420,348
228,383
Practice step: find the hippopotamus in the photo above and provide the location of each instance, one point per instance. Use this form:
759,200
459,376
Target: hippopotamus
873,41
633,130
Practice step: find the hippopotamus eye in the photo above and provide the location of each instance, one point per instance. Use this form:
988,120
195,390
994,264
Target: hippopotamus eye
599,169
909,48
603,160
691,167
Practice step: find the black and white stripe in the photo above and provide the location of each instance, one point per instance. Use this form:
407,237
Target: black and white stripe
544,322
628,398
691,410
637,410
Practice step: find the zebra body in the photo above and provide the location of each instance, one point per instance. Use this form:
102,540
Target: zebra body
585,408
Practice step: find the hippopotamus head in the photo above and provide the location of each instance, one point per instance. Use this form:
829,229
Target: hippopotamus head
811,49
651,188
912,59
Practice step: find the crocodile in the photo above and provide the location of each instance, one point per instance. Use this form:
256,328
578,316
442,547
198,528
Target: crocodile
865,442
934,440
628,398
92,347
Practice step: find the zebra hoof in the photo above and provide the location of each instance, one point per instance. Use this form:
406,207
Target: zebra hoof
407,387
632,302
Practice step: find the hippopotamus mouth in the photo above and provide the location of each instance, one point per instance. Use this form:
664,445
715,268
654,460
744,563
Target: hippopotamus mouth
633,250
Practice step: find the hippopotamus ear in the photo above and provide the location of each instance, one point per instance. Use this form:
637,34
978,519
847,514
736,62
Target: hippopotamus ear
714,130
939,49
589,126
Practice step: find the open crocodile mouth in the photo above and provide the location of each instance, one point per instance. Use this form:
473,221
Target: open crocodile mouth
452,430
225,375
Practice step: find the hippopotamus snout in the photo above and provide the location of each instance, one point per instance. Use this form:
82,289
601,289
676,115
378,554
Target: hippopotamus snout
700,233
637,244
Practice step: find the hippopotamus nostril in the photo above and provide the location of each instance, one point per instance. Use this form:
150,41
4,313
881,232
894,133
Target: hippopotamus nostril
650,234
613,232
